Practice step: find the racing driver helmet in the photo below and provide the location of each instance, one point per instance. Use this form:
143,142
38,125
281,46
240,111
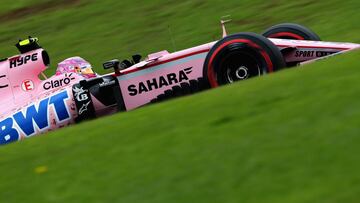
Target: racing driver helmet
76,65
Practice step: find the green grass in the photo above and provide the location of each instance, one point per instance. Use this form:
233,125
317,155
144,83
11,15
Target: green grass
286,137
13,6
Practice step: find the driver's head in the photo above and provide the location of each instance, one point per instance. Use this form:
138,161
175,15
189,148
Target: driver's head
75,65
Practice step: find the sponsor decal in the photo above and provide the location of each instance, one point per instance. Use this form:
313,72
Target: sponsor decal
27,85
159,82
3,86
34,117
58,83
19,61
313,53
80,94
324,53
83,103
84,108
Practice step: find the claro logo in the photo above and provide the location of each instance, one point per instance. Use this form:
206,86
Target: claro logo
159,82
58,83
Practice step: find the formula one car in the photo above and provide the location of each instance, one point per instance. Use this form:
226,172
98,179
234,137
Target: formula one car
30,105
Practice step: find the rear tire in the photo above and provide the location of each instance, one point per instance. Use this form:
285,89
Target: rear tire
239,57
291,31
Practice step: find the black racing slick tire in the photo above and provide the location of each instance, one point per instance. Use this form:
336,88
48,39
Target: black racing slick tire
239,57
291,31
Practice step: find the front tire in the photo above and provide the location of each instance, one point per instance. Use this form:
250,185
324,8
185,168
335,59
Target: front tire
240,57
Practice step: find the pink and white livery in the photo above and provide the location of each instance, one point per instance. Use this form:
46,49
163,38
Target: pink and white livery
30,105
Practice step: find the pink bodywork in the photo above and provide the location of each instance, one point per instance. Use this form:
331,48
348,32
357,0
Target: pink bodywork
164,63
21,88
162,66
314,49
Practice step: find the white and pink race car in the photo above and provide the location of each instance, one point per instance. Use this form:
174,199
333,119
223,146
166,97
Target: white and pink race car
31,105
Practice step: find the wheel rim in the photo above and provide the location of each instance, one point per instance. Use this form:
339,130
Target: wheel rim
238,66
